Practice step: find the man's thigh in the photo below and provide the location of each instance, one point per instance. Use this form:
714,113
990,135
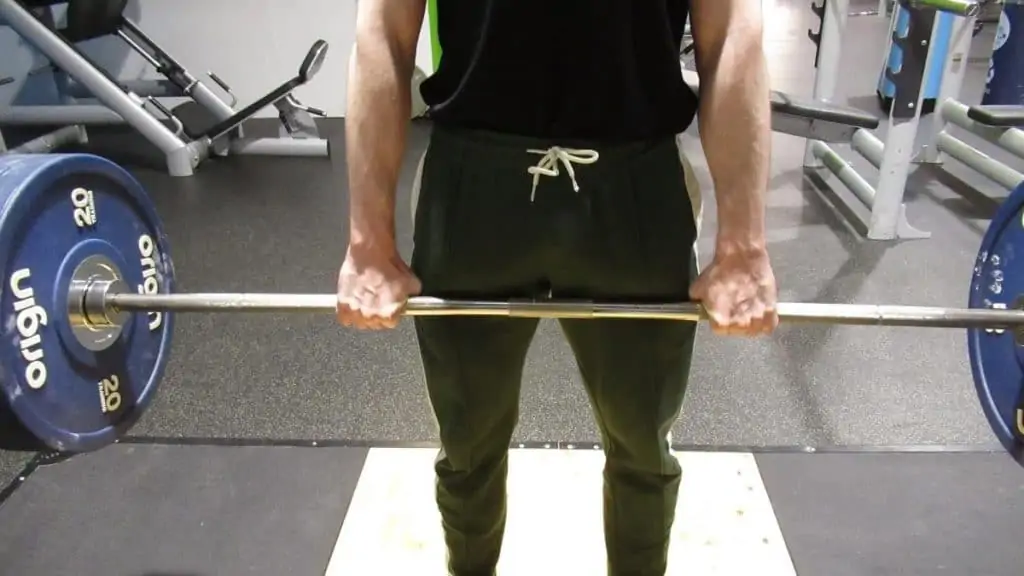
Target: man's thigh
637,246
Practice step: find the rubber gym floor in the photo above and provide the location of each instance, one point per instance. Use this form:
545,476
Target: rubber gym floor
287,445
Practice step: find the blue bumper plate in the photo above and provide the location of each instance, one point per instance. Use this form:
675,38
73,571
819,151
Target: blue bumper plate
55,212
996,355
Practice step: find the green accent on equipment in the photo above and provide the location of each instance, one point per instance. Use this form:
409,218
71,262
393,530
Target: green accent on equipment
435,41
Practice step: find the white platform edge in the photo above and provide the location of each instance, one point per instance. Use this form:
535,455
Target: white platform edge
725,523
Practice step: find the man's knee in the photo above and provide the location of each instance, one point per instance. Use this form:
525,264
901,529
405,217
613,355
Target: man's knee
469,447
637,419
639,449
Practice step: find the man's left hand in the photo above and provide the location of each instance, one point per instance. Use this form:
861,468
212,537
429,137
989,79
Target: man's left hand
738,292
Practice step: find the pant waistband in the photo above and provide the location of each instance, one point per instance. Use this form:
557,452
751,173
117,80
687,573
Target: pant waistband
608,150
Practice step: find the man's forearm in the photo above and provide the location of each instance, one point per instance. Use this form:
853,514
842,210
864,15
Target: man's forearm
735,130
376,124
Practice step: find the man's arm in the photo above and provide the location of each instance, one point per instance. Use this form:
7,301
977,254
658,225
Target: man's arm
378,112
734,116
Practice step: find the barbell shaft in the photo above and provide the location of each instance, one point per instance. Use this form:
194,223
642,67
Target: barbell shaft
846,314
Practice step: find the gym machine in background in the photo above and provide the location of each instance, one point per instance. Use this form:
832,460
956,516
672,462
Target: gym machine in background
998,122
887,217
47,143
184,144
805,118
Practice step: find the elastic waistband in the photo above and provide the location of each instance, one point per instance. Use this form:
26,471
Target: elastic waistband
461,136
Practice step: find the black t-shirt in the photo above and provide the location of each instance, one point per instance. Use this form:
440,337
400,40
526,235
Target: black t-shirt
603,70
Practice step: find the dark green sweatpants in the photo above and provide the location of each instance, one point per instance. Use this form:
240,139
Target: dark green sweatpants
627,235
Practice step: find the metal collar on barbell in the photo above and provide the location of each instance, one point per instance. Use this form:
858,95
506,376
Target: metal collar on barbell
95,326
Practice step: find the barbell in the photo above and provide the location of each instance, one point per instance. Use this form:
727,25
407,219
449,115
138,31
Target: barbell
88,301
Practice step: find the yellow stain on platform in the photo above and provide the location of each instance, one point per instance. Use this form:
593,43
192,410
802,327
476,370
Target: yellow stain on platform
725,524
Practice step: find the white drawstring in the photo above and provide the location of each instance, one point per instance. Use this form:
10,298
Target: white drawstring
548,165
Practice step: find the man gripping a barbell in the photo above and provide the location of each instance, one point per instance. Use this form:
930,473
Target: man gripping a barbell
553,170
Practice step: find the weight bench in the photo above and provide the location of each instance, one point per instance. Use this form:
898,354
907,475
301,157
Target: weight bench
808,118
184,143
1002,116
818,120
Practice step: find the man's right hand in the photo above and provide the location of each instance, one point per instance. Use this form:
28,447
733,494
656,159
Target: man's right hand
373,287
374,283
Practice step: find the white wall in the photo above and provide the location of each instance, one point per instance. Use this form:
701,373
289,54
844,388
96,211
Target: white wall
253,45
424,52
